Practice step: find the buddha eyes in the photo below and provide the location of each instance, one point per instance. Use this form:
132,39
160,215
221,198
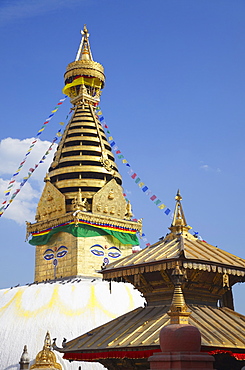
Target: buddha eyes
100,251
49,254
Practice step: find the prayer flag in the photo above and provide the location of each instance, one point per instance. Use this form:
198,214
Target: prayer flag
124,161
61,123
157,202
112,143
141,184
99,112
59,134
134,175
137,180
53,111
120,156
167,211
101,118
8,192
162,206
118,151
110,138
153,197
51,115
144,188
148,244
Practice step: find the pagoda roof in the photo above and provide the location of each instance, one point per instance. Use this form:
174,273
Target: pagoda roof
194,254
179,244
139,329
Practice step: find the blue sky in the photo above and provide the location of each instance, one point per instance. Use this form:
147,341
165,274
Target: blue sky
174,102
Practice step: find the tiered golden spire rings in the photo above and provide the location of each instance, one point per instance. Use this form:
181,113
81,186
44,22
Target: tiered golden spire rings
178,310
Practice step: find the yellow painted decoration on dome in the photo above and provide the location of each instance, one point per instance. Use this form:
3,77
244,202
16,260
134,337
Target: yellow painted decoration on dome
95,298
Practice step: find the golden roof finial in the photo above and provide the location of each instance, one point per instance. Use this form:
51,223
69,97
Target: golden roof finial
84,51
178,310
179,225
46,358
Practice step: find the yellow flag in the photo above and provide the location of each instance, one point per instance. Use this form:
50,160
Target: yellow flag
162,206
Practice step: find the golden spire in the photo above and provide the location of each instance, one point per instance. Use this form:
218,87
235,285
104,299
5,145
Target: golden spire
46,358
84,51
84,78
178,310
179,225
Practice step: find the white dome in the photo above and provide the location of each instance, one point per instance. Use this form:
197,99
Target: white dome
66,309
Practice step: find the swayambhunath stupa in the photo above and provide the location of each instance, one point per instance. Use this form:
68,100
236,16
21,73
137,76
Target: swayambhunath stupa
93,283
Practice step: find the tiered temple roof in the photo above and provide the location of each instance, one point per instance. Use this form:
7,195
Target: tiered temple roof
208,276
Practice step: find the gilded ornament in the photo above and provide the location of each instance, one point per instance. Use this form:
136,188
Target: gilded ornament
46,358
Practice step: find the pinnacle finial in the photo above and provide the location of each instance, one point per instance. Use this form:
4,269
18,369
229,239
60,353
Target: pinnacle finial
179,224
84,51
178,196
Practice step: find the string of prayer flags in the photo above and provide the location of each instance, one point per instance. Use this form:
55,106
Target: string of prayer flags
13,178
29,174
131,172
5,203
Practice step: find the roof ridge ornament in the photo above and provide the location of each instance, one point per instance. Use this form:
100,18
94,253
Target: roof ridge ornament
84,51
179,224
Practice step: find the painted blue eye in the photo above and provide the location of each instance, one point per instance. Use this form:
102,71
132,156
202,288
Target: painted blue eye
48,256
114,254
97,252
61,254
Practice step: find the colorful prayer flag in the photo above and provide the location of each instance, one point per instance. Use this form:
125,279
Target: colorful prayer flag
162,206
